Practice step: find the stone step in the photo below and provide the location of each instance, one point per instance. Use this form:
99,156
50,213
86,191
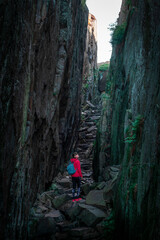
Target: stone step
87,175
83,129
89,140
86,168
93,118
90,123
90,135
83,146
93,128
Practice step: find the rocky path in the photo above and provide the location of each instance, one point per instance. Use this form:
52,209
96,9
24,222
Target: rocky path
54,216
86,139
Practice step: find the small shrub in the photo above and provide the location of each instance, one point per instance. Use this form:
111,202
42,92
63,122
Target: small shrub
104,67
83,2
117,33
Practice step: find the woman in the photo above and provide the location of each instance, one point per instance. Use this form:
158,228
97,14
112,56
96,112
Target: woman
76,177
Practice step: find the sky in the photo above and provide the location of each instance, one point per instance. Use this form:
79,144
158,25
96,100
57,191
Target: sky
106,12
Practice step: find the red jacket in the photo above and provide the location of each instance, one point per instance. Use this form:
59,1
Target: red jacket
77,166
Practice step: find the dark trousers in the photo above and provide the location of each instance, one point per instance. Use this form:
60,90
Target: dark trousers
76,185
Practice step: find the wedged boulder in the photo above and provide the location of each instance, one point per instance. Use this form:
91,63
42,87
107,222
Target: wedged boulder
90,215
96,198
41,227
60,200
56,215
84,233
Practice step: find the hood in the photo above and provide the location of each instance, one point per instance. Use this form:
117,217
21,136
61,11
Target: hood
73,160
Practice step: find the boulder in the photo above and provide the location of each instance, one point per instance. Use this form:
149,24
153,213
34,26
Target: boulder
96,198
66,206
90,215
60,200
65,182
38,227
56,215
85,188
73,212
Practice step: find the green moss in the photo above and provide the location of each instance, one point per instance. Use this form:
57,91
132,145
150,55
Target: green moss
109,226
134,130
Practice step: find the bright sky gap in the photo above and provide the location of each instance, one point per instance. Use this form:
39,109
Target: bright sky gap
106,12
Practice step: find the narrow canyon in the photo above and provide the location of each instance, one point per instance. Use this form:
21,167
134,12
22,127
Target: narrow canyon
55,99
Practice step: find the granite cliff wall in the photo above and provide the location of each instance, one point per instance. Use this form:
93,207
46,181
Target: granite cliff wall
42,48
135,117
135,130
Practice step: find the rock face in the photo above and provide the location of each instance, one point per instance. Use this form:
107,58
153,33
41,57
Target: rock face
90,73
135,132
42,49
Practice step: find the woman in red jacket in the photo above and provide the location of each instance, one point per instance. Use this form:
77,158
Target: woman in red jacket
76,177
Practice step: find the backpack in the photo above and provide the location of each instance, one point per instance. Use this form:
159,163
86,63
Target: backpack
70,169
